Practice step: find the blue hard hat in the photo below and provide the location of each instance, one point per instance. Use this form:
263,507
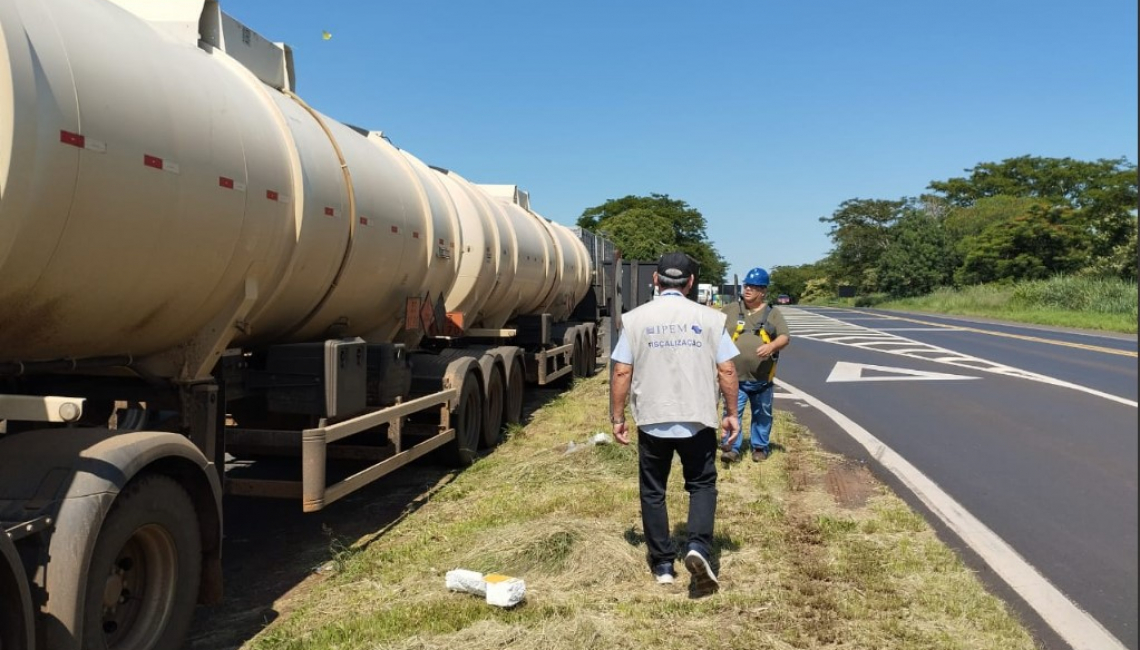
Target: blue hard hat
757,277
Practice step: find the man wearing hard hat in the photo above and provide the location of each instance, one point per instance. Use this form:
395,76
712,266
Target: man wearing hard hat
760,332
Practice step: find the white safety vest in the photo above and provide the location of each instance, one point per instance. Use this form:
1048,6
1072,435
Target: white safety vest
674,342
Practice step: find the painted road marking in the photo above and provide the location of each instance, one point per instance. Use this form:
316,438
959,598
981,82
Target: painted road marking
1023,337
845,371
920,329
1068,620
815,326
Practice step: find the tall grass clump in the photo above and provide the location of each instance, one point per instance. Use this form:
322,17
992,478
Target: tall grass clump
1075,293
981,297
1106,304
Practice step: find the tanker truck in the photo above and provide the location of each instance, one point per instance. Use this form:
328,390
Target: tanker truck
209,287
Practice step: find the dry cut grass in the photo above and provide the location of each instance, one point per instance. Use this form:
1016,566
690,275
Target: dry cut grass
813,553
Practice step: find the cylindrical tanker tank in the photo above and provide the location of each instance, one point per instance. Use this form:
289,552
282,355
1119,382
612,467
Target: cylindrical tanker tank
129,213
485,268
533,251
143,197
572,272
560,273
367,233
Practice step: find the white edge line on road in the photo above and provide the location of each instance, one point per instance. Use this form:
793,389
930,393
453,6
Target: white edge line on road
1070,622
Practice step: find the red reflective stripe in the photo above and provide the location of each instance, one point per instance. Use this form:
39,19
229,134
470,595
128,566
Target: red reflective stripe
395,229
152,161
271,195
227,183
329,212
364,221
415,235
73,139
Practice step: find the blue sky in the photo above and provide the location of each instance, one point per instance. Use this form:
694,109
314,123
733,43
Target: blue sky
764,116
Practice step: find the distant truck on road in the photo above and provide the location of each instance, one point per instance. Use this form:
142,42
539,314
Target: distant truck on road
704,293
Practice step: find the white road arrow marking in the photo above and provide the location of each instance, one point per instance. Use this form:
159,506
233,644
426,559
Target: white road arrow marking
844,371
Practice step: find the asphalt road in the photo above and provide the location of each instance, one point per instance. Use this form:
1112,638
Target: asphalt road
1026,437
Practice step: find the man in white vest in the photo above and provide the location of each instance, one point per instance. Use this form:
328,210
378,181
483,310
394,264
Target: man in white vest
672,356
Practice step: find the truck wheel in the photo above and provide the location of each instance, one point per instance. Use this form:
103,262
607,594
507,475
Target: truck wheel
579,357
516,385
15,601
143,581
493,409
467,420
591,354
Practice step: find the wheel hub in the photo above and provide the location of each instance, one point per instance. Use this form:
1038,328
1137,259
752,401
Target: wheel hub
113,591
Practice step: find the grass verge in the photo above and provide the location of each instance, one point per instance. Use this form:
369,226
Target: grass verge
813,553
1107,305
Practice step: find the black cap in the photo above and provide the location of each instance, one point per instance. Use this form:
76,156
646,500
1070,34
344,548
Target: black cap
675,266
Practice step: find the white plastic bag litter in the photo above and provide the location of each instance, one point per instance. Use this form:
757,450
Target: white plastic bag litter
504,591
470,582
498,589
599,438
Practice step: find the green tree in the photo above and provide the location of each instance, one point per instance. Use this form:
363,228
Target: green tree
1120,263
657,224
1103,194
917,259
793,280
963,225
860,230
817,289
1107,229
971,220
1078,184
640,233
1037,245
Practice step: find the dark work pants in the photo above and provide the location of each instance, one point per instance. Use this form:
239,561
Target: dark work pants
698,465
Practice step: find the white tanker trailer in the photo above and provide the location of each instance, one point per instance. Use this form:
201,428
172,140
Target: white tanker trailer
197,267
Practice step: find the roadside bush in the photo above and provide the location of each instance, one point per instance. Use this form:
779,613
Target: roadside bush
870,300
817,290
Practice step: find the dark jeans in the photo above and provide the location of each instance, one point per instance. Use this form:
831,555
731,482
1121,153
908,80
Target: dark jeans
698,465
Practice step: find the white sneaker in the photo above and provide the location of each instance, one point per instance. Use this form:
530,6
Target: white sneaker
704,580
664,574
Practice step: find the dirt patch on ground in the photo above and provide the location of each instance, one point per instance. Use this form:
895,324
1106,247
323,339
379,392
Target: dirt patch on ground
850,483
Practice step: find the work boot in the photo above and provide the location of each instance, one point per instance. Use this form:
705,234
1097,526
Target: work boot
729,457
759,455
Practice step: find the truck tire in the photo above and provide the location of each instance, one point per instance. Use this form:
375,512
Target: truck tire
579,355
145,569
15,600
516,388
591,352
493,409
467,420
574,360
